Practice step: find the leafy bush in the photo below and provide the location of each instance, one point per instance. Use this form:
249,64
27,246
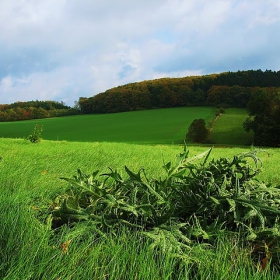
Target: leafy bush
220,111
35,136
197,201
197,131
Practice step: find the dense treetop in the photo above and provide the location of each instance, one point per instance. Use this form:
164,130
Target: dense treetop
34,110
226,89
47,105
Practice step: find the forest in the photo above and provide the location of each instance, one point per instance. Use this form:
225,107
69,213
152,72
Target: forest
256,90
34,110
229,89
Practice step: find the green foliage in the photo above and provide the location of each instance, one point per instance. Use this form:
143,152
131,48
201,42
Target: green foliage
220,111
229,89
34,110
35,136
264,120
198,132
194,201
30,250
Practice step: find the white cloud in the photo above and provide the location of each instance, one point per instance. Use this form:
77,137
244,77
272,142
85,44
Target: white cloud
69,48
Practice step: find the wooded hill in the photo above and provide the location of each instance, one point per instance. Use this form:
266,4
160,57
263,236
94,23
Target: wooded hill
229,89
255,90
34,110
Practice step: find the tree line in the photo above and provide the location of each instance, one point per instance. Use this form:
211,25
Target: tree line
34,110
230,89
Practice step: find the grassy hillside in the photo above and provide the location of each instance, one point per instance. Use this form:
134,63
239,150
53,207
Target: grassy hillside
29,181
150,126
160,126
228,128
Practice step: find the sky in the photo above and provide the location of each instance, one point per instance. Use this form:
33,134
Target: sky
65,49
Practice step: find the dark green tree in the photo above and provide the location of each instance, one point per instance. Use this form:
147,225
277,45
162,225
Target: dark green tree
198,132
264,120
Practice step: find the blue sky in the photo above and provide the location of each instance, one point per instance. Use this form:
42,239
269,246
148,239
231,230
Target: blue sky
63,49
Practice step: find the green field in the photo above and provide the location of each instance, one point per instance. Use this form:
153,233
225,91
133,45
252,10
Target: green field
228,128
160,126
30,180
24,162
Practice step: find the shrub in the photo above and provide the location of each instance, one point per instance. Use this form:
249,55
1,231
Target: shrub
198,132
220,111
35,136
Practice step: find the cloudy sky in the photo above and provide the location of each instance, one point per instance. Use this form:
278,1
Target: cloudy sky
63,49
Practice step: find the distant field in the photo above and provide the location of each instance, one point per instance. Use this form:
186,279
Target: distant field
228,128
160,126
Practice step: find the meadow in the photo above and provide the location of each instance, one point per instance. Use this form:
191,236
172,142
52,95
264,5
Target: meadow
30,179
159,126
30,183
228,128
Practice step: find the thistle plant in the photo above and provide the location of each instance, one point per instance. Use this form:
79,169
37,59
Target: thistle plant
198,200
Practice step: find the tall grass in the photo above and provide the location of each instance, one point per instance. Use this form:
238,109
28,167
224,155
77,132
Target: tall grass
29,181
